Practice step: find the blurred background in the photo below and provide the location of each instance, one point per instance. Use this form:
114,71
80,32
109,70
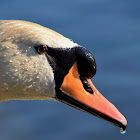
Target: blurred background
111,31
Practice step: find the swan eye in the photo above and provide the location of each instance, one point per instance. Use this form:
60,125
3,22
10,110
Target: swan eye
41,49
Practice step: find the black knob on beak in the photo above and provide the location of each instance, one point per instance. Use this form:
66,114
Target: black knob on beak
86,62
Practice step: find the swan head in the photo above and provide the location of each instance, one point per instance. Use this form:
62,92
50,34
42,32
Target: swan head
39,63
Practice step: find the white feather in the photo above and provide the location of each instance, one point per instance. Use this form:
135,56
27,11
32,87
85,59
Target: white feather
24,74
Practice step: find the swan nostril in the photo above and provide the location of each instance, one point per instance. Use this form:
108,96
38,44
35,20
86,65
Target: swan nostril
90,90
86,85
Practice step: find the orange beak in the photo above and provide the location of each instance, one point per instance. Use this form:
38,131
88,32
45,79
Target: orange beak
95,104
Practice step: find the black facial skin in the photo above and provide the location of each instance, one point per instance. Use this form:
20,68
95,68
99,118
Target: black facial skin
61,60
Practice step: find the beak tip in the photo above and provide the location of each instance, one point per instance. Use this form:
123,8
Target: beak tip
124,122
124,125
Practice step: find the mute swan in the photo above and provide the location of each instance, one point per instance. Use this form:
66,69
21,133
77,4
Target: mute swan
39,63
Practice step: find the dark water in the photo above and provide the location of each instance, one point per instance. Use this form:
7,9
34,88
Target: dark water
111,31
